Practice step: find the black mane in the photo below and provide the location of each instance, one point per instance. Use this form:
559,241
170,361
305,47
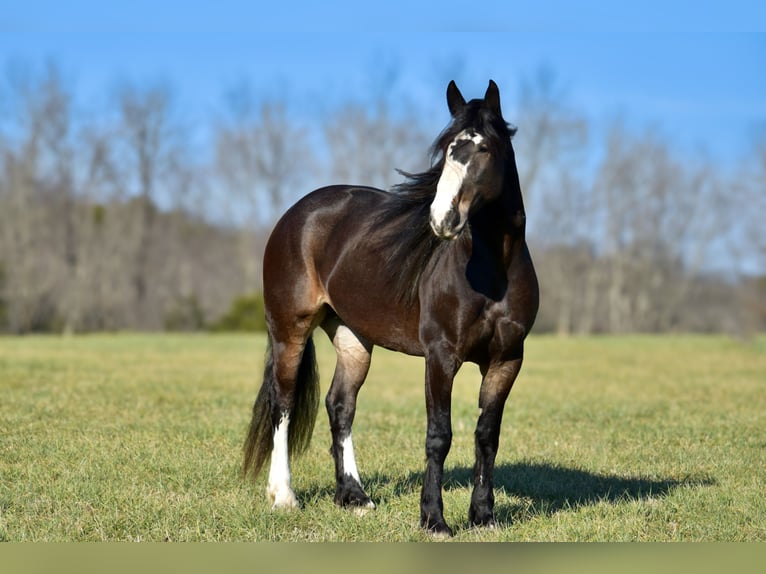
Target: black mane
405,238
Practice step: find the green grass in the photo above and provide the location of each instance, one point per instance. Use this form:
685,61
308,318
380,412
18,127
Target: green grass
138,437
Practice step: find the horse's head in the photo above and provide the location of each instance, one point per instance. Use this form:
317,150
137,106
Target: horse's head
476,149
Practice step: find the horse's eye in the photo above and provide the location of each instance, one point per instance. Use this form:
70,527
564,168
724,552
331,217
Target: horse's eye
483,149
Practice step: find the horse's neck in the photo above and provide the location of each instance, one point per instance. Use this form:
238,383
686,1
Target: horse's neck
501,227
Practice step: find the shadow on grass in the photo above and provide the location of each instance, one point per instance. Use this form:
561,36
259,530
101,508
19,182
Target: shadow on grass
544,489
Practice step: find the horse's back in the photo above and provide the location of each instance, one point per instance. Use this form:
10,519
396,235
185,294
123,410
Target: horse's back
318,222
315,224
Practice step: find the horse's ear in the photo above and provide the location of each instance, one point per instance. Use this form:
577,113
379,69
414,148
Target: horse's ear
492,98
455,100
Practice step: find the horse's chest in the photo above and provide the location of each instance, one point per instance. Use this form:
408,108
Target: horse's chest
496,336
503,332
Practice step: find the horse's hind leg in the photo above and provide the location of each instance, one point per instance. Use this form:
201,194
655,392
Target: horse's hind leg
353,364
286,363
293,406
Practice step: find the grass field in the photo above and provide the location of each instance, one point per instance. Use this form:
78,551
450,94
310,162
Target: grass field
138,437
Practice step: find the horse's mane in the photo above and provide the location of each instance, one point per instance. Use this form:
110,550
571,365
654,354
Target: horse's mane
404,237
402,229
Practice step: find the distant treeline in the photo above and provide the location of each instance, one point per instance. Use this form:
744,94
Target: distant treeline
124,219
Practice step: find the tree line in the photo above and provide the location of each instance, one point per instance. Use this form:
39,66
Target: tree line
126,218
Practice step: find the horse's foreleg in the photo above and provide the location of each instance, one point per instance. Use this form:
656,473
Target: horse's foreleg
496,384
350,372
440,372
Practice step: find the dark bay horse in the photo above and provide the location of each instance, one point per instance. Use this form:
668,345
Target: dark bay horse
438,267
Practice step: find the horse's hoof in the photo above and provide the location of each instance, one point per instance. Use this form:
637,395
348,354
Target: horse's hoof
438,530
491,525
441,534
482,519
363,509
282,499
354,499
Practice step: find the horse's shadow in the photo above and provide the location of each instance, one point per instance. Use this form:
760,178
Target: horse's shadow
544,489
535,488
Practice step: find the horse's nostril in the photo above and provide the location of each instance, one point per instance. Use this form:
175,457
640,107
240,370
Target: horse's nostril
453,219
449,226
434,225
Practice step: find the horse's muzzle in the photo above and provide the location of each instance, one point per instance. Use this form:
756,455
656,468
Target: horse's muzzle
449,227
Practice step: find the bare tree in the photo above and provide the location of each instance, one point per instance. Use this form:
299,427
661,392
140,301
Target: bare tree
551,133
658,227
367,146
264,161
91,301
149,149
38,207
551,146
751,187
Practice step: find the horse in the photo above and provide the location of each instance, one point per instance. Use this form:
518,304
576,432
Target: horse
437,267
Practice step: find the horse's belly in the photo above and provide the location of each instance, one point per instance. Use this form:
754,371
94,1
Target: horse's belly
360,300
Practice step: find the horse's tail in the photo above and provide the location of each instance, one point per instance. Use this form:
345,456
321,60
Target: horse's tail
259,441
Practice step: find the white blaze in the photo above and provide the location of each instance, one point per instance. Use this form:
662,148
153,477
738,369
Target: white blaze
451,179
449,185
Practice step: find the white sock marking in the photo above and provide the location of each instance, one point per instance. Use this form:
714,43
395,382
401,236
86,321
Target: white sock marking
279,492
349,468
349,460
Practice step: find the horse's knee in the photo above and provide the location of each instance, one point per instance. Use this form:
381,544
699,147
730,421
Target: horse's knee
487,433
341,407
438,442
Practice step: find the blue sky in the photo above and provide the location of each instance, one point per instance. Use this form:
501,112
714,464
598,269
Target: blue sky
696,74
